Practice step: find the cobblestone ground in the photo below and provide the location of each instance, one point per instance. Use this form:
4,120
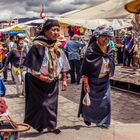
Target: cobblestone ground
125,110
125,106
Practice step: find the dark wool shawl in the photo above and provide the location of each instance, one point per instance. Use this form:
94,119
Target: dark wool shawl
92,61
36,54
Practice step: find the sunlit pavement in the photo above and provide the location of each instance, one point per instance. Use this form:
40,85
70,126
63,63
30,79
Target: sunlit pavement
125,117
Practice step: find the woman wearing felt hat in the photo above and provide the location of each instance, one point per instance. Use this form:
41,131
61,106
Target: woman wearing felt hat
45,62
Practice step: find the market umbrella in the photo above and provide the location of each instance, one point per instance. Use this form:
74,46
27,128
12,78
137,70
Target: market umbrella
16,30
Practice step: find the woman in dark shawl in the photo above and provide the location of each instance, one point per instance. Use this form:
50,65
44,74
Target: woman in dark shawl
45,61
98,65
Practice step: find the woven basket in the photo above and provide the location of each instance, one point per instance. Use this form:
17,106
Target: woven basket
9,130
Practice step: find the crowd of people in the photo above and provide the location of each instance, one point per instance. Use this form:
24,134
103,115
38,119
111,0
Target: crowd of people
127,49
36,68
37,71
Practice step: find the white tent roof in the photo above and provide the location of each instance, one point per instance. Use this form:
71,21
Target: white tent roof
24,25
21,25
111,12
67,13
92,24
109,9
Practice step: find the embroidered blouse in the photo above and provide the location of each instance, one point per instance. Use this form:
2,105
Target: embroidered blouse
104,68
62,65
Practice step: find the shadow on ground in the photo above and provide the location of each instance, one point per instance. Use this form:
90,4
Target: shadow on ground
125,106
64,127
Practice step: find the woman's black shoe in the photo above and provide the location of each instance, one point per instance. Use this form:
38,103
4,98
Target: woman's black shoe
87,123
55,131
39,129
103,125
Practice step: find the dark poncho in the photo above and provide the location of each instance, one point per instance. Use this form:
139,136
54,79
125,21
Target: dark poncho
92,61
41,98
36,54
99,111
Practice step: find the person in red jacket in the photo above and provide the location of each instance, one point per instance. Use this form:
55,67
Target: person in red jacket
76,30
3,106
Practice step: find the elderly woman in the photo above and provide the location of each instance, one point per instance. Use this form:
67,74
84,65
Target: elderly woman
45,61
98,65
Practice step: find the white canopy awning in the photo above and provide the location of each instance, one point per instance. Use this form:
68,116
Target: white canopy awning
111,12
92,24
111,9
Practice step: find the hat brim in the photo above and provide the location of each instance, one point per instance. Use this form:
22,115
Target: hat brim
133,6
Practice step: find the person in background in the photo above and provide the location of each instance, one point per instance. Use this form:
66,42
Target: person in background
45,62
72,47
83,49
70,31
98,65
26,44
128,49
120,46
112,44
135,61
16,57
12,43
76,30
3,54
63,41
3,106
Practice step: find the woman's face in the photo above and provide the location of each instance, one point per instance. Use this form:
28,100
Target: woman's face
20,44
53,33
104,40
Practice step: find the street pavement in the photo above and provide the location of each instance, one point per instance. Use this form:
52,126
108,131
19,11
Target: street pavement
125,117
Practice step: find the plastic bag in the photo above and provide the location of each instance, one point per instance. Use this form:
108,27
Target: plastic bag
86,100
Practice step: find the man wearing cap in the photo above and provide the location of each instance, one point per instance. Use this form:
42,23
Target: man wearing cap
98,65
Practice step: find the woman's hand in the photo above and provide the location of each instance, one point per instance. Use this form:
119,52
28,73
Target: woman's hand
46,79
64,85
86,84
3,106
64,81
86,88
3,69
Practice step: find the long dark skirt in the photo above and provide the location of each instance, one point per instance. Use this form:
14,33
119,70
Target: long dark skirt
100,109
41,101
